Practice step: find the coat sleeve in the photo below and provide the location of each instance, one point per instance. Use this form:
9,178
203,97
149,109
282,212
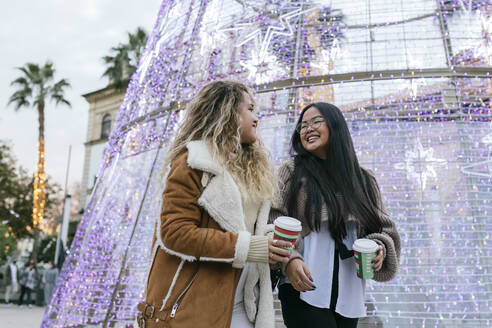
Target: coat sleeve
389,239
180,229
278,204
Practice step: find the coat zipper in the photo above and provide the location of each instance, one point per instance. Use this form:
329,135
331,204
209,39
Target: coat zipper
178,300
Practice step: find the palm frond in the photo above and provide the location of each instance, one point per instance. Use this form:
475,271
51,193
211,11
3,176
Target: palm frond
19,99
136,44
35,72
116,64
121,48
22,81
108,59
27,73
60,85
47,71
57,91
59,99
22,93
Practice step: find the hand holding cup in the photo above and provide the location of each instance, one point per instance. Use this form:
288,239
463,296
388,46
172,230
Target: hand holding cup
278,251
378,260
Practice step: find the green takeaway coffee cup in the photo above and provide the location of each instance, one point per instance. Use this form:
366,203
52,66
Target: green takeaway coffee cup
364,253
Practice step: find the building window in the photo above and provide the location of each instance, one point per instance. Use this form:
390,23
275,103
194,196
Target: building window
106,126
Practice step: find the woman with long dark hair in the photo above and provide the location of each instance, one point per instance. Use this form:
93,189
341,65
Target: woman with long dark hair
337,202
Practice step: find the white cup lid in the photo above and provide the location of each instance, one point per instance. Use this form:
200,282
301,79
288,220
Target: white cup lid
365,245
288,223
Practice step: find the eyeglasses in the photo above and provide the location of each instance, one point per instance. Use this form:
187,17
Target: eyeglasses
315,123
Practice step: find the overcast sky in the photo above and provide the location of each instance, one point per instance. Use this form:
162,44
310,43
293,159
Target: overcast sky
74,35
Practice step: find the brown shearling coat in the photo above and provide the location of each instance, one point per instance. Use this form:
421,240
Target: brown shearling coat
199,248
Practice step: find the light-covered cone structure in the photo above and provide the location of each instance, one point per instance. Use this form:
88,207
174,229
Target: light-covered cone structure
413,80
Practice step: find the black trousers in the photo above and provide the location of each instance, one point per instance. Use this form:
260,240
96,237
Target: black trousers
25,290
299,314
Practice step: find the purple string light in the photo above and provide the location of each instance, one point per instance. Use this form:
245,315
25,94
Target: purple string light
415,89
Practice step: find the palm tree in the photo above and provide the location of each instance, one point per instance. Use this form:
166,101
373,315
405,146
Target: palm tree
36,87
136,45
117,67
123,61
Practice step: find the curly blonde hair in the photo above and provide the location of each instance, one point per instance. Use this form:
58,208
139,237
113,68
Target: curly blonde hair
213,115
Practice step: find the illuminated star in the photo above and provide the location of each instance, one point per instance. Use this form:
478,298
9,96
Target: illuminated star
285,29
420,164
414,85
212,33
414,62
327,56
484,49
262,68
467,7
487,139
480,168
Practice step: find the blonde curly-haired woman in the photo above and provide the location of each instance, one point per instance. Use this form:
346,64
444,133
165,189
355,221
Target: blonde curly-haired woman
211,252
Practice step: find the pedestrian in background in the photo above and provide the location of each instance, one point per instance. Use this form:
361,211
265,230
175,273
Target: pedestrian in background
12,279
27,282
48,282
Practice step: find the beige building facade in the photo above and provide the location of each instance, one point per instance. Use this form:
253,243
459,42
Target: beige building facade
103,108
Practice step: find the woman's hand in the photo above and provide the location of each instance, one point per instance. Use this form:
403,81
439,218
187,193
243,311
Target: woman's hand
378,260
299,275
276,253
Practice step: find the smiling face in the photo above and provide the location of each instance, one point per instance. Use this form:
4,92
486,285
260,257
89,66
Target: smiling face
249,120
314,132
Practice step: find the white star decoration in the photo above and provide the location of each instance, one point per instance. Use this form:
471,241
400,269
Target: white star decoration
414,61
480,168
327,56
262,65
413,85
214,29
487,139
210,34
262,69
485,48
479,23
420,164
467,7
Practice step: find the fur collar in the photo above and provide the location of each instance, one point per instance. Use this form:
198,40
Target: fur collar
221,197
200,158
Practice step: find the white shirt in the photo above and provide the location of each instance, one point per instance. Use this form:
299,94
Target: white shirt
13,273
318,251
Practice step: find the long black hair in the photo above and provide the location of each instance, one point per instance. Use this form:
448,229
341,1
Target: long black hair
337,181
